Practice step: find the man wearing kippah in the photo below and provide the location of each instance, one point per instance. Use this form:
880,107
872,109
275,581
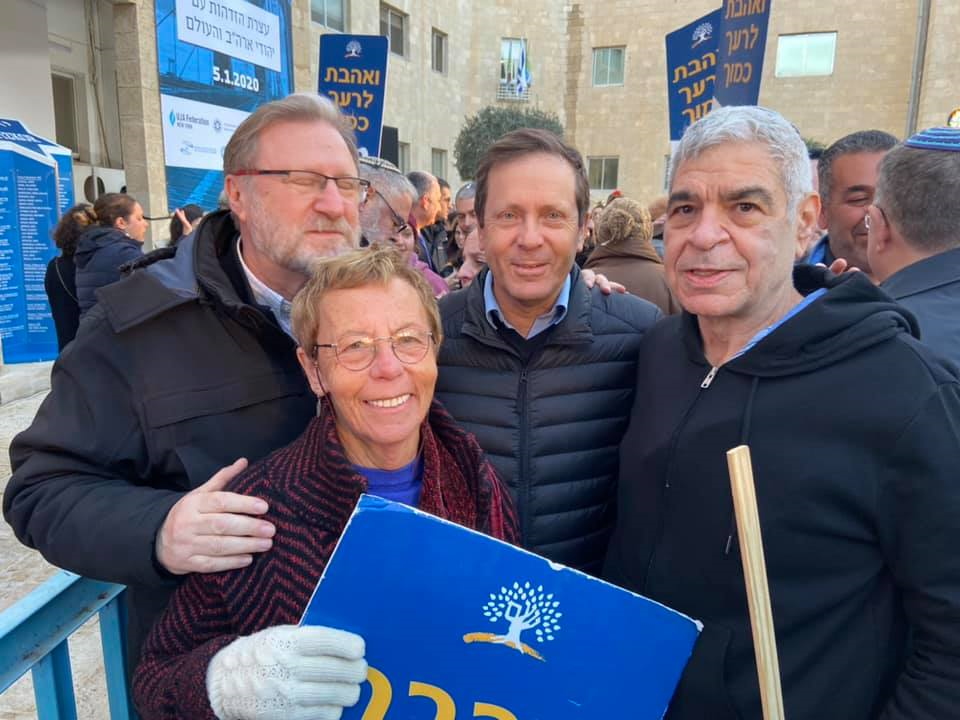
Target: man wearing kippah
913,239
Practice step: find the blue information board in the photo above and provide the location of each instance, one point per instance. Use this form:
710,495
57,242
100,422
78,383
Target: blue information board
353,73
36,186
457,622
218,60
691,71
743,40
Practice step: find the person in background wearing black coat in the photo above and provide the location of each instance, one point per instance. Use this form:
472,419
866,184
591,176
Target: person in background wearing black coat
60,279
116,239
183,222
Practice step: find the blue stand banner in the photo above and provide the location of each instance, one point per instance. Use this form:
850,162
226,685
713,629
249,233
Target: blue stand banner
459,624
353,73
218,60
36,186
691,71
743,40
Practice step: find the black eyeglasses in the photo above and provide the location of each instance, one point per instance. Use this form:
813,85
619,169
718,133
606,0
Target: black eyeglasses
308,181
409,347
400,226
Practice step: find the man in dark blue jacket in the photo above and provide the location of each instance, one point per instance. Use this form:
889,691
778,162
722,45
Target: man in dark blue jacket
914,234
536,364
854,430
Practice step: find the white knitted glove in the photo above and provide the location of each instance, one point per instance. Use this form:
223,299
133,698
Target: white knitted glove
287,673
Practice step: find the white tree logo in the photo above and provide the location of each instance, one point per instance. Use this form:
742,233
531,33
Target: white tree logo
524,607
702,33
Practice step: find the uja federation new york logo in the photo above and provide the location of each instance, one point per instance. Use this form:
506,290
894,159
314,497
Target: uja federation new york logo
523,607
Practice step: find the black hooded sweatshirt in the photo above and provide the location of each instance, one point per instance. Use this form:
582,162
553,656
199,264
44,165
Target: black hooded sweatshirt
854,430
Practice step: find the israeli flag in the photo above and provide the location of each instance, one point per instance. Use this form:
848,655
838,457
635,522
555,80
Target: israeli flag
524,78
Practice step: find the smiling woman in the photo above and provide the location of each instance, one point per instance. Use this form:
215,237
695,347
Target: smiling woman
227,646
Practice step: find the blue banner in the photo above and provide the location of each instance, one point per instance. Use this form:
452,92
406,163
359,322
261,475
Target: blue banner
28,213
353,73
691,71
16,132
459,624
218,60
743,39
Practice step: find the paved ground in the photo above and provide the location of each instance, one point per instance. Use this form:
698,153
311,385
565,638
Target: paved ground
22,570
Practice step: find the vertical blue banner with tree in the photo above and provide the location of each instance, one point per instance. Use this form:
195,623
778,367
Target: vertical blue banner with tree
691,71
218,60
353,73
458,624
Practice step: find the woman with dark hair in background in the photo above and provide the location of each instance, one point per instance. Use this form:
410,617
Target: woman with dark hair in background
117,238
60,279
183,221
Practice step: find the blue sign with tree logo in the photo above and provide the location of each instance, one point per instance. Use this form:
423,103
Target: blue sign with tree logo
353,73
458,624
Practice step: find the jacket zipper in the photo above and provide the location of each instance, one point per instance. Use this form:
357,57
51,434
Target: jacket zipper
674,441
524,469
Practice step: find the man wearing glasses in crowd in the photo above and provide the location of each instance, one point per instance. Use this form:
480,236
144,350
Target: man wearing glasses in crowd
382,215
186,366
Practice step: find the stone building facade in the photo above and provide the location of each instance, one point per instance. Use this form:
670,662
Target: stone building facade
875,80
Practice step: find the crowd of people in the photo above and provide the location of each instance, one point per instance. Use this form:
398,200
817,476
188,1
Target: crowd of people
350,331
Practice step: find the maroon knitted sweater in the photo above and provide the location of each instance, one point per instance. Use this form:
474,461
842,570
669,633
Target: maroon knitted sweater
312,489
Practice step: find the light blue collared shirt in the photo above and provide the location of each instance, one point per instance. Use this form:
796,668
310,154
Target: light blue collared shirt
263,295
552,317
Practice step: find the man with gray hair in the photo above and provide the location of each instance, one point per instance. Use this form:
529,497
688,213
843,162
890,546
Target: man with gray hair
426,211
855,477
463,203
186,366
848,176
383,215
913,241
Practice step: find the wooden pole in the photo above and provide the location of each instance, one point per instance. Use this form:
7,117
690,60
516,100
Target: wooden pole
755,576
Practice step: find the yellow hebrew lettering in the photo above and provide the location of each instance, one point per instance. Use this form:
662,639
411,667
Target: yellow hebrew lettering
486,710
697,66
343,75
367,98
677,77
699,87
363,124
371,77
709,59
331,75
446,710
356,77
686,90
381,697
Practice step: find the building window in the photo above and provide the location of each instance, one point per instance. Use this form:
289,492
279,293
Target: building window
393,24
65,109
513,56
603,173
438,53
329,13
608,66
403,157
806,55
438,163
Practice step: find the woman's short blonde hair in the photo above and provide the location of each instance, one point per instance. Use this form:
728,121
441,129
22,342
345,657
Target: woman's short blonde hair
372,266
623,219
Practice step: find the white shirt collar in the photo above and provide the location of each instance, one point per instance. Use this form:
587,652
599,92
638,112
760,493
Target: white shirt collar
267,296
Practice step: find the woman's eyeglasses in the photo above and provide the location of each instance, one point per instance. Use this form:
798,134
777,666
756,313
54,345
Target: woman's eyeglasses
409,347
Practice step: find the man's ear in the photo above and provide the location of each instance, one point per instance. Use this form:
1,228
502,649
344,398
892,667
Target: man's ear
311,370
808,211
822,214
236,197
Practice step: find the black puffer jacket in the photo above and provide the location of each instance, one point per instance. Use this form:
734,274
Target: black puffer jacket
172,376
551,426
854,432
100,253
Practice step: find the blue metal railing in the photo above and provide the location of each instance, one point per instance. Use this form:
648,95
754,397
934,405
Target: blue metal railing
34,634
